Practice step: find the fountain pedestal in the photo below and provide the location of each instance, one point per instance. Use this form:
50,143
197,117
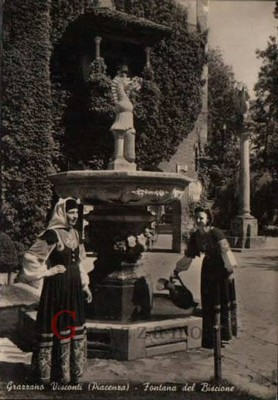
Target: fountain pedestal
124,295
121,287
124,153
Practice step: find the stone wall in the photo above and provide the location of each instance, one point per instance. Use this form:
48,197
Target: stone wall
184,157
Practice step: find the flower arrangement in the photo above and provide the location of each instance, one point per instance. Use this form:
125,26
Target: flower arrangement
129,250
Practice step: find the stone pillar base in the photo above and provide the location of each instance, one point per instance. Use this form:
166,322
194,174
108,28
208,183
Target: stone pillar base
244,231
239,243
121,164
123,296
114,302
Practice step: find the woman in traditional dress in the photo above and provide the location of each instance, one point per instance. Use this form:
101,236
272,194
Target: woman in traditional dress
56,257
217,280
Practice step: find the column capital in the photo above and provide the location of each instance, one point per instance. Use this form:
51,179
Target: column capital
245,135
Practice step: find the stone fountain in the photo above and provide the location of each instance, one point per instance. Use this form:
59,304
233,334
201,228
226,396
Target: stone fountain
120,321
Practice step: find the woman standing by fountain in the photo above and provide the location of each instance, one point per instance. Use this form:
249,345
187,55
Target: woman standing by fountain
217,282
56,257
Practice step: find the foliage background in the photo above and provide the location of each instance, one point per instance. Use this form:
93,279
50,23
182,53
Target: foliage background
221,156
221,180
265,137
26,144
50,118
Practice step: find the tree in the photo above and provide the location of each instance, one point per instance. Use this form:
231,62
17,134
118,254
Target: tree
276,9
265,134
222,131
217,171
219,164
265,108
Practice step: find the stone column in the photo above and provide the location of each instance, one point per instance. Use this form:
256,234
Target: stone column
97,42
244,175
176,238
148,57
244,226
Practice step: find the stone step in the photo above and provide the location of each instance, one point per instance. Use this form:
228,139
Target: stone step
11,353
123,341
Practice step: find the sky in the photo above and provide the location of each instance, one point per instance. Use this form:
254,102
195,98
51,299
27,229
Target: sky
238,28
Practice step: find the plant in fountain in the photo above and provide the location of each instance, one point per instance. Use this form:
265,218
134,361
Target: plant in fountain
129,250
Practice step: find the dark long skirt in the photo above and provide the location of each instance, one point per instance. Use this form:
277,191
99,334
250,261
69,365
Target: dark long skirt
217,289
60,350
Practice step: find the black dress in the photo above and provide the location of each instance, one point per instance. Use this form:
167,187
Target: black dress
60,351
216,288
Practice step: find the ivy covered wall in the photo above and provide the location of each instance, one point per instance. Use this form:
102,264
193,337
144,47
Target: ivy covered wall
26,118
165,111
51,116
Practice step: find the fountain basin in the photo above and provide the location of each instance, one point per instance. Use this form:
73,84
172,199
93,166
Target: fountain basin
122,187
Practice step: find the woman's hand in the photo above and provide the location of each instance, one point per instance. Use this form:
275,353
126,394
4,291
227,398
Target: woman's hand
175,273
58,269
231,276
89,296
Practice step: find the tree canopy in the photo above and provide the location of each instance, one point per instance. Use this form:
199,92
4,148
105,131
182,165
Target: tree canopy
265,108
222,124
222,151
222,131
223,146
265,135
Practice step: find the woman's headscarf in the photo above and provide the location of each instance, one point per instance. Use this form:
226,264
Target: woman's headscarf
59,215
34,260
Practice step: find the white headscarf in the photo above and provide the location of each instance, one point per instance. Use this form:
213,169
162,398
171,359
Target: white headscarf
34,260
59,215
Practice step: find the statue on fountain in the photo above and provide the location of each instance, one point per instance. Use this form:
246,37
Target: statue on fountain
123,127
